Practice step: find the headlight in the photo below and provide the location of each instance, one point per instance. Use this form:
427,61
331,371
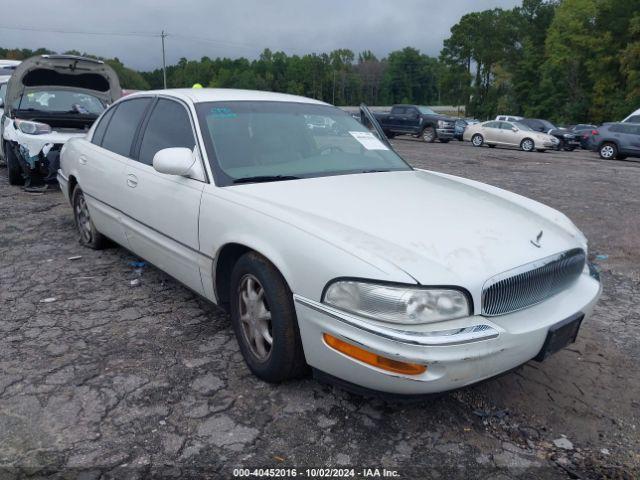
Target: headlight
32,128
397,304
554,140
442,124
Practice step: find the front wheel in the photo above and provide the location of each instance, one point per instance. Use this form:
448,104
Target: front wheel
429,135
527,145
89,236
477,140
608,151
264,320
569,149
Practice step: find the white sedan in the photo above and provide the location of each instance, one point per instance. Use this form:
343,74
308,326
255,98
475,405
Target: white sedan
327,248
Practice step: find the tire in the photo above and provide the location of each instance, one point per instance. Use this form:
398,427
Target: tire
443,140
477,140
429,135
527,145
491,145
608,151
268,314
541,150
13,166
560,146
569,149
389,135
89,236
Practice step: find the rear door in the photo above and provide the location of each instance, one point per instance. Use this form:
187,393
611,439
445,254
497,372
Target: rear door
633,138
397,118
163,209
491,132
101,166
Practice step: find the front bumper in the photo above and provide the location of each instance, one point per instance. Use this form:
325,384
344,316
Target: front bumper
457,352
445,133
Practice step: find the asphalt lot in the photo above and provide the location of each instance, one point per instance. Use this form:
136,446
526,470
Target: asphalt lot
111,380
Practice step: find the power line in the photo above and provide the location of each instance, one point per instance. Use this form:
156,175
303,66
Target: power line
81,32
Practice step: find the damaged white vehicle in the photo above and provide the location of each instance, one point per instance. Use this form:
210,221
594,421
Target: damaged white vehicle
328,249
48,100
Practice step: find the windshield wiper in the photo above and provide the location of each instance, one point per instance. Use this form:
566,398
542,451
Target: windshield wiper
265,178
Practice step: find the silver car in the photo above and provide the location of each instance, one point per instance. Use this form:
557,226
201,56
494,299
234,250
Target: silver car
508,134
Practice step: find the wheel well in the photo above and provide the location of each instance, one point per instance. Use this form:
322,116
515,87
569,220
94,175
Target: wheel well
226,259
604,142
72,185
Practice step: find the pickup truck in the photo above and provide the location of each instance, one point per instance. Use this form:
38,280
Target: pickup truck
417,120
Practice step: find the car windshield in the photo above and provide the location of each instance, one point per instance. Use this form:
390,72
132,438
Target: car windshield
60,101
547,125
523,126
269,141
426,110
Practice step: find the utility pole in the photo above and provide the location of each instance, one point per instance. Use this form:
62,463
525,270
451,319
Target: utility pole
164,62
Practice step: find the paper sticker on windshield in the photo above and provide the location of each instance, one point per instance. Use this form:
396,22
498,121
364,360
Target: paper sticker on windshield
369,141
222,112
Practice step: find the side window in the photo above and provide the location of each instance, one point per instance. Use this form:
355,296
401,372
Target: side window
616,128
633,119
98,133
493,125
168,126
505,126
124,124
398,110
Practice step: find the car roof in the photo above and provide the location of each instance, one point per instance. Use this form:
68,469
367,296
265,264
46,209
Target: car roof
200,95
9,63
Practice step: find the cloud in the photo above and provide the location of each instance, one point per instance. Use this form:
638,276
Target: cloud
241,28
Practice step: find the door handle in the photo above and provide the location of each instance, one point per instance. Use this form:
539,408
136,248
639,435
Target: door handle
132,180
82,160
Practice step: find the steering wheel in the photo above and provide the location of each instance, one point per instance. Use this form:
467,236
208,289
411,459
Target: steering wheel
330,149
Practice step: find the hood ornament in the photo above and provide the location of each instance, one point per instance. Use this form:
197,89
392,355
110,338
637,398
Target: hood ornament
536,242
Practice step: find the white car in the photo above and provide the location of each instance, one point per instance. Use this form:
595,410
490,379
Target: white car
327,248
48,100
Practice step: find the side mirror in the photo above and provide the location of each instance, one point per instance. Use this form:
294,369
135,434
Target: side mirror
174,161
514,129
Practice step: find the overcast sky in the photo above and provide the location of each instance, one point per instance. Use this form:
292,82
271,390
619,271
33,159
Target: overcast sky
234,28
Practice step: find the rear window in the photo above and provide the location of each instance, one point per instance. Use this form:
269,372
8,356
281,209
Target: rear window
98,133
633,119
123,126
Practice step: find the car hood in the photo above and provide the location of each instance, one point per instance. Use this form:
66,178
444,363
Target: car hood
64,71
439,229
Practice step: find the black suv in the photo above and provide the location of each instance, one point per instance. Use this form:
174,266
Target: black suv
616,140
568,140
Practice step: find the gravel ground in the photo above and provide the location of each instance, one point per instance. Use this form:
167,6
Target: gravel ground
102,379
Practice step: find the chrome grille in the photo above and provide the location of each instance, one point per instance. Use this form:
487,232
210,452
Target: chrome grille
532,283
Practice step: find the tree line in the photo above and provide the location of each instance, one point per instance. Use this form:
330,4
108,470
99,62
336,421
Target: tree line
565,60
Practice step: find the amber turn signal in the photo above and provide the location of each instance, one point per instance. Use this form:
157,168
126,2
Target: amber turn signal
371,358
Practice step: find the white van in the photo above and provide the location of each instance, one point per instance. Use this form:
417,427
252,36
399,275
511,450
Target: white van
633,118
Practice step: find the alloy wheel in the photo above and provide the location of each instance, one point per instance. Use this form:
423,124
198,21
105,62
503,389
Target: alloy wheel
477,141
83,220
527,145
607,151
255,317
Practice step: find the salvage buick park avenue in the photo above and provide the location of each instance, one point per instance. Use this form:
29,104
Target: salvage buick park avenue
328,250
